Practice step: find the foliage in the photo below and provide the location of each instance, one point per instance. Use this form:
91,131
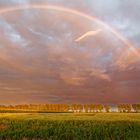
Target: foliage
136,107
124,107
85,108
107,108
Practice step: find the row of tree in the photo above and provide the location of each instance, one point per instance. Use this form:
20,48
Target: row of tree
129,107
73,107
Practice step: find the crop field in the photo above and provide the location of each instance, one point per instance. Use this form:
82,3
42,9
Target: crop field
70,126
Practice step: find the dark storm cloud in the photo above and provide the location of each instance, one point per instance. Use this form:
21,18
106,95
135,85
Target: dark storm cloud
41,62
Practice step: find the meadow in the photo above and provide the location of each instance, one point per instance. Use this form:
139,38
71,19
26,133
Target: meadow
70,126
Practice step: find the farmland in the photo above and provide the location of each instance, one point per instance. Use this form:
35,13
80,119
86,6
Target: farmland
70,126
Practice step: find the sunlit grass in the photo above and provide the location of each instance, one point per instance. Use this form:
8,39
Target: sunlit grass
70,126
74,116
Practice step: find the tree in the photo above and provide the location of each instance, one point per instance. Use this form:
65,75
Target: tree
86,108
124,107
128,107
107,108
136,107
74,107
92,107
100,107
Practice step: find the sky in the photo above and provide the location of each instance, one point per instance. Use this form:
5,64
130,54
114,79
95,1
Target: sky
69,51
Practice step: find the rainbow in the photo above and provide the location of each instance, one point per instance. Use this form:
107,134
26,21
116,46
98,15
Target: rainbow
74,12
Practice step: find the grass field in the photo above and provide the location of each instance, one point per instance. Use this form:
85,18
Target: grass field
70,126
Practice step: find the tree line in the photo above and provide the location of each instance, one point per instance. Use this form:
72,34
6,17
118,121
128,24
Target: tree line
70,108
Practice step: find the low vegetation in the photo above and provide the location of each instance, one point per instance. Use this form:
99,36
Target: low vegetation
69,126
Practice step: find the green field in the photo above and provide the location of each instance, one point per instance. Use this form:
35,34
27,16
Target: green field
70,126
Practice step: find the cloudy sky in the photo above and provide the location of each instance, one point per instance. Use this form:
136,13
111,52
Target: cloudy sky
69,51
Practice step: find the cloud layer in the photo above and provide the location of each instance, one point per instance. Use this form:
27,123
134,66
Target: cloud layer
40,61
